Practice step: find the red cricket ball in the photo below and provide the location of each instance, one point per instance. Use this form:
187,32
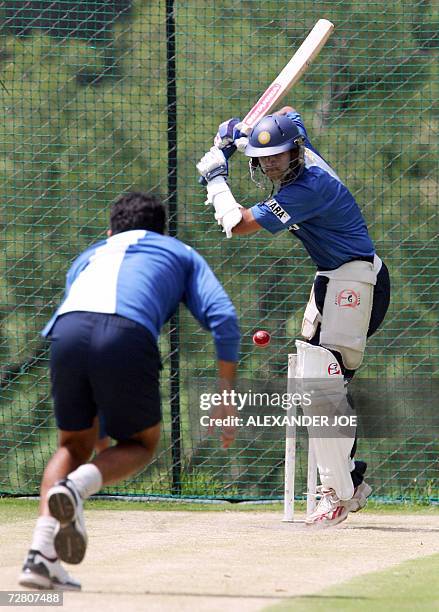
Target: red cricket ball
261,338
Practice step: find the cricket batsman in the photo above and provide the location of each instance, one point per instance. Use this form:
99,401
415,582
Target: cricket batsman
351,290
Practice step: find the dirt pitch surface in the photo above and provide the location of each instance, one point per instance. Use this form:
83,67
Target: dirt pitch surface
211,561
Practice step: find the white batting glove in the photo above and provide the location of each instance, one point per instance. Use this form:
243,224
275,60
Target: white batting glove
241,143
225,135
230,219
240,140
227,210
213,164
229,134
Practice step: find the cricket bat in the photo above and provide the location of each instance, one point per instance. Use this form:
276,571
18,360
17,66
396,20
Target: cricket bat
289,75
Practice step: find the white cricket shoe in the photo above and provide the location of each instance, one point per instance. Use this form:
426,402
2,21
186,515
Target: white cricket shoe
329,511
40,572
332,511
359,499
65,504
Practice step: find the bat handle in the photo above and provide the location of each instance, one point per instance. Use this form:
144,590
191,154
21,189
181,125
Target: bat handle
202,181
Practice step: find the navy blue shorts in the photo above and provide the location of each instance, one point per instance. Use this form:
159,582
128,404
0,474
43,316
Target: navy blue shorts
106,364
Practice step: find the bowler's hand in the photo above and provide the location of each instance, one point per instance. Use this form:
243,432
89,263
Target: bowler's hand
228,432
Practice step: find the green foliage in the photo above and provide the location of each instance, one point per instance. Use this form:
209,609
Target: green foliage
88,19
83,122
203,483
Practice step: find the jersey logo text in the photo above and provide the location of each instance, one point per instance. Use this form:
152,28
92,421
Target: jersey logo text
277,210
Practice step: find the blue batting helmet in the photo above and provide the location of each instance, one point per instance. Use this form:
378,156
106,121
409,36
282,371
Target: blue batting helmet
271,135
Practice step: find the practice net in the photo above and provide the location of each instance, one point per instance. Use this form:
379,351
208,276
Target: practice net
101,97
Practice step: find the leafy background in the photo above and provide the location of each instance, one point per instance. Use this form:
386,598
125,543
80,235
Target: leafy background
85,117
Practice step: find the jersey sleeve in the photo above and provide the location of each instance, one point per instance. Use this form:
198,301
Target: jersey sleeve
211,306
297,120
290,206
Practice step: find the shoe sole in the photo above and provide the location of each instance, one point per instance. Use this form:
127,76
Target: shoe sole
63,586
70,543
62,507
32,580
326,524
362,501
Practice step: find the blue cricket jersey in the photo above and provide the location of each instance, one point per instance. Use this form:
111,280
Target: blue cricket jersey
143,276
318,209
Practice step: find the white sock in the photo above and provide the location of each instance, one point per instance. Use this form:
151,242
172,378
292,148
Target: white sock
87,479
43,536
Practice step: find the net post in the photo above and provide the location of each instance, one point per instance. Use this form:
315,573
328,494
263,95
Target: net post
173,230
290,449
311,479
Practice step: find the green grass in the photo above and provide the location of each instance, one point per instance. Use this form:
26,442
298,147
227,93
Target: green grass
13,509
412,585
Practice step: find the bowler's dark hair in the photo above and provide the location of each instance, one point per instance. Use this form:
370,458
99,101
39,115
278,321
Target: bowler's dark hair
136,210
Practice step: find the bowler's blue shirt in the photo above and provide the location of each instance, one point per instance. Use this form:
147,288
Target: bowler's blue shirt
318,209
143,276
